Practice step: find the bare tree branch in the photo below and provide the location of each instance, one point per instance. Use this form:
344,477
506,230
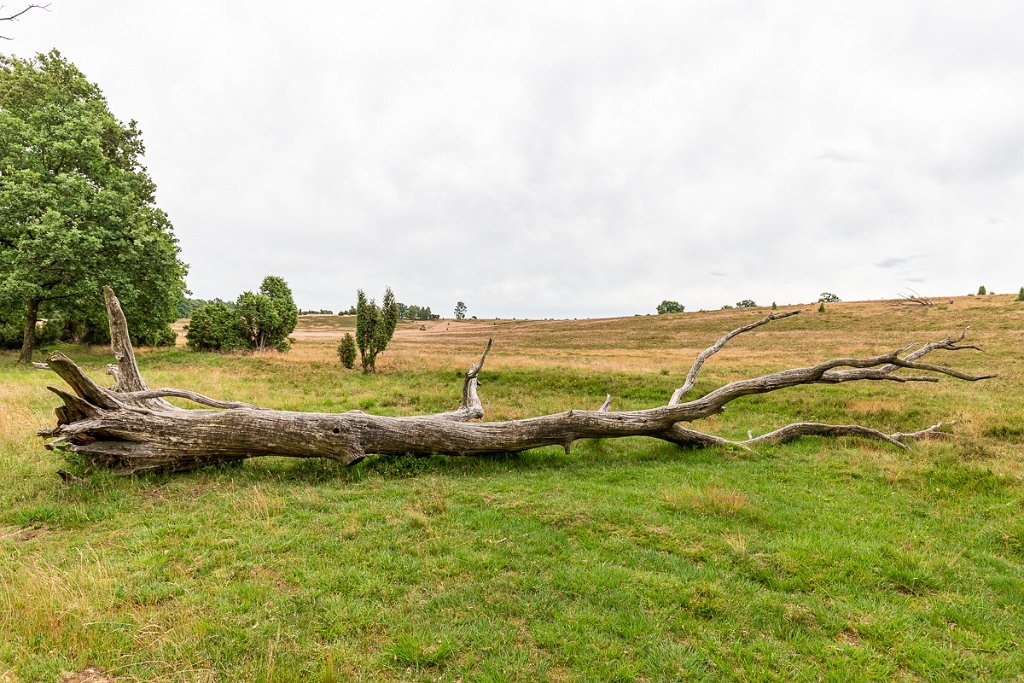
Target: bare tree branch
912,298
691,377
14,17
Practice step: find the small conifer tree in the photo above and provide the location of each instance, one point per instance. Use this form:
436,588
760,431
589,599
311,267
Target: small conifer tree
821,307
374,327
347,351
982,291
1020,295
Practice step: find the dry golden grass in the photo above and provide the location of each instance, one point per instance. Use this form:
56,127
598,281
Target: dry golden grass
647,343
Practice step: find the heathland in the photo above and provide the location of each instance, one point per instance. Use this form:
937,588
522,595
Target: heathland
623,560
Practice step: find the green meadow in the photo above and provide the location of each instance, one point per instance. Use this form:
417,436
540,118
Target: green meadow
624,560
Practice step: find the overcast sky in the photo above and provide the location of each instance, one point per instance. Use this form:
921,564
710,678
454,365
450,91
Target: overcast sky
564,159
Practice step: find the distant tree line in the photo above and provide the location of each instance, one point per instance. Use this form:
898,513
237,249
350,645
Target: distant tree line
405,312
414,312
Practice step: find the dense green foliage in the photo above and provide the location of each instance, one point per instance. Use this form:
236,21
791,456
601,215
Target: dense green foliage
257,321
268,316
828,298
216,327
79,210
1020,295
667,306
374,327
186,307
746,303
982,291
347,351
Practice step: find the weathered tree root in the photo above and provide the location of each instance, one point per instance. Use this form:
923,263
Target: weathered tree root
131,428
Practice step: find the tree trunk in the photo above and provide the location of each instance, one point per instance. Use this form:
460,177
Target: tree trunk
131,428
29,340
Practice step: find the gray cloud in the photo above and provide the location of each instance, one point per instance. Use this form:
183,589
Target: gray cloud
894,261
571,159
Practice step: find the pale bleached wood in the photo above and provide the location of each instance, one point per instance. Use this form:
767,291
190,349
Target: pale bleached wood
691,376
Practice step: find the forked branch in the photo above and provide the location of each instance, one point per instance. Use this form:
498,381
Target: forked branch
691,377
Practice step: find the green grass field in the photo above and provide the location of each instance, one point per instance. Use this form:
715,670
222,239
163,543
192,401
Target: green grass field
625,560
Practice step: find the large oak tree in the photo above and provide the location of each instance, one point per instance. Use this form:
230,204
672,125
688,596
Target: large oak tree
77,208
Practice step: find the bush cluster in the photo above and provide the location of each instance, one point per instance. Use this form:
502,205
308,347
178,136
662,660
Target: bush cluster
255,322
668,306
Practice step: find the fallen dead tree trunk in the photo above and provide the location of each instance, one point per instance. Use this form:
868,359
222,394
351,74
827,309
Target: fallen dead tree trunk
131,428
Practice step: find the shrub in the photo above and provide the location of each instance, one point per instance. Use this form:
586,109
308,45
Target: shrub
157,336
374,327
1020,295
667,306
10,335
269,316
775,306
215,327
821,307
982,291
256,321
347,351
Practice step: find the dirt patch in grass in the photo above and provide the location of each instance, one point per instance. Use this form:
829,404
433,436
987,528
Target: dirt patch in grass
22,534
87,675
849,637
